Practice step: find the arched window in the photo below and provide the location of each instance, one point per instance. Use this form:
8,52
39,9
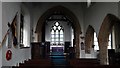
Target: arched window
109,42
57,34
21,29
95,42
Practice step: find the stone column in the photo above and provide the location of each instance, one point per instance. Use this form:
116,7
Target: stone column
39,37
103,52
36,37
77,48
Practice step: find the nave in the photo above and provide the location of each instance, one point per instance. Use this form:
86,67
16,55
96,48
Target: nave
88,38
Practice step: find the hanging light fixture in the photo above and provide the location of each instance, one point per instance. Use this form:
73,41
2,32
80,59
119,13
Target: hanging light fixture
88,3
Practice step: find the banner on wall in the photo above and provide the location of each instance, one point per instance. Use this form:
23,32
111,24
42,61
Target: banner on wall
12,33
9,37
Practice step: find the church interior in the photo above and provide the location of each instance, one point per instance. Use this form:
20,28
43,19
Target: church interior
60,34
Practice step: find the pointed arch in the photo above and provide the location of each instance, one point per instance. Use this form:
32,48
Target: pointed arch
75,24
89,39
109,21
67,12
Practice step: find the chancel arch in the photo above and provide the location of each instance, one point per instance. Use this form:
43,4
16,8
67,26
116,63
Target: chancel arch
70,15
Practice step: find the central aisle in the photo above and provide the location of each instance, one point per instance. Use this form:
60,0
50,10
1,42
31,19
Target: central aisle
59,60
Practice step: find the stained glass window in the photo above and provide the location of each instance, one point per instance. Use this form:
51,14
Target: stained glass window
57,34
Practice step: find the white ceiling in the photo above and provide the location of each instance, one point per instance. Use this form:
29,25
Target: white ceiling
59,0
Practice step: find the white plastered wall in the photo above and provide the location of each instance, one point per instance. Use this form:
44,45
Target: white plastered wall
0,33
9,10
95,14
